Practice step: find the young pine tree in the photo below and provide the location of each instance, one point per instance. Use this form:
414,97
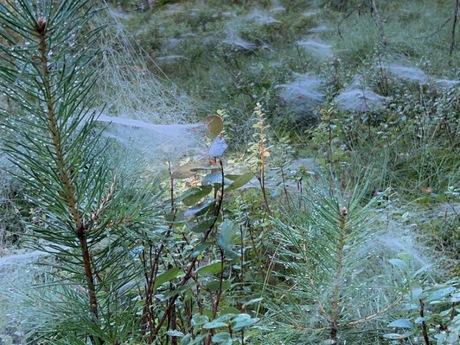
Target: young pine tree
48,66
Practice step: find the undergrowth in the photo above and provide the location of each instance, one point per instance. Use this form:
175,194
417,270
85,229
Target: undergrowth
359,245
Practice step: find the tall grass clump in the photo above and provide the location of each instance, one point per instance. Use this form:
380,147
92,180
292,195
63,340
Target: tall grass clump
412,31
127,84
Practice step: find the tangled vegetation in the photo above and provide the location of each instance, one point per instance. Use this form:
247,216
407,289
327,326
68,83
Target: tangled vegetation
324,208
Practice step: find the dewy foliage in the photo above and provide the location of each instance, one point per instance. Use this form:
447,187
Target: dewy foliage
333,287
47,70
152,264
43,73
126,272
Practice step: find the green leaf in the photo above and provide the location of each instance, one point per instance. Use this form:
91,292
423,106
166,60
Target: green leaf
213,268
174,333
399,263
439,294
445,312
423,200
243,321
200,249
455,298
203,225
215,284
222,338
415,296
253,301
214,324
420,319
397,336
198,340
199,209
422,270
392,336
240,181
227,231
166,276
186,340
212,179
401,323
198,319
192,196
410,306
227,317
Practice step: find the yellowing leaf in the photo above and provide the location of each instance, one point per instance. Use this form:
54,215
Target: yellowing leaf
215,125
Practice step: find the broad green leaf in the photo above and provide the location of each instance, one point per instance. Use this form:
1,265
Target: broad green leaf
198,319
166,276
455,298
192,196
200,249
240,181
213,268
226,317
214,178
214,324
396,336
198,340
420,319
227,231
223,338
199,209
410,306
242,321
174,333
203,226
415,294
401,323
439,294
186,340
445,312
214,285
